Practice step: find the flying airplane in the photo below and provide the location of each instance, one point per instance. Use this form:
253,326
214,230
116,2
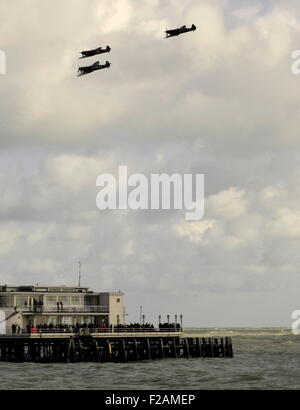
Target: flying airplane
89,69
91,53
181,30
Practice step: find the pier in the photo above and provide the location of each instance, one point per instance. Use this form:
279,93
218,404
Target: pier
52,324
110,347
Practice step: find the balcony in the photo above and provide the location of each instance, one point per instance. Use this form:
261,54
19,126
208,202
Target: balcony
63,310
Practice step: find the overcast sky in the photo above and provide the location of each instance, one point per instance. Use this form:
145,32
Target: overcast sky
220,101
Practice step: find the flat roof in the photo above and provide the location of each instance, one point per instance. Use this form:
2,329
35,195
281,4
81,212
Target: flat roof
52,289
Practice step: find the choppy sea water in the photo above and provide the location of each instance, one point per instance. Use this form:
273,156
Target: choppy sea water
264,359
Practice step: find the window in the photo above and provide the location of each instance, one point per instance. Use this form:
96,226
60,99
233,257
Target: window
76,301
67,320
89,300
6,301
40,320
51,300
22,301
118,300
52,321
65,300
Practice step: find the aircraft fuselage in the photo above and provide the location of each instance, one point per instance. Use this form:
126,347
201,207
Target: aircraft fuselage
92,68
96,51
181,30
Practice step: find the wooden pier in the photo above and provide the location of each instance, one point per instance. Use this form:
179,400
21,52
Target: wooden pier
44,348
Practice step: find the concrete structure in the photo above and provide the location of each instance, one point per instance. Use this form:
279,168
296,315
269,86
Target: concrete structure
59,305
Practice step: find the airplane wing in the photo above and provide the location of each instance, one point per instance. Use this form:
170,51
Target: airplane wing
81,73
92,68
172,33
86,54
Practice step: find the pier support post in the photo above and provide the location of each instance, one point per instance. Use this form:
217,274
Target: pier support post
186,348
204,350
161,345
108,351
72,351
198,350
123,351
148,349
228,347
135,350
174,348
95,350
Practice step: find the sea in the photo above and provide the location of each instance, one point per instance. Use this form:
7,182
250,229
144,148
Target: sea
265,358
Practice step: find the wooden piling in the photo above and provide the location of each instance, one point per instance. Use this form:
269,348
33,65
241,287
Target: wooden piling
161,345
135,350
186,348
123,351
119,349
148,349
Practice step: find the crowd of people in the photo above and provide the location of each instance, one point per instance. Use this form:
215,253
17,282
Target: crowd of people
147,327
15,329
93,328
134,326
65,328
169,326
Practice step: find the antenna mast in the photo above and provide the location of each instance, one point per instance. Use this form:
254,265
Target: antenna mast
79,273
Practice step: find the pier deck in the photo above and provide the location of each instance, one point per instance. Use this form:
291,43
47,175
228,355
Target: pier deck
110,347
102,335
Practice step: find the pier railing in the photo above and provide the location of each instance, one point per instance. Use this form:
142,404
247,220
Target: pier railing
136,330
95,331
67,309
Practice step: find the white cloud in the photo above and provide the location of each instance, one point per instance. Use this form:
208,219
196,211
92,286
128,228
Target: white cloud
194,231
129,248
9,234
286,223
77,172
230,203
247,13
